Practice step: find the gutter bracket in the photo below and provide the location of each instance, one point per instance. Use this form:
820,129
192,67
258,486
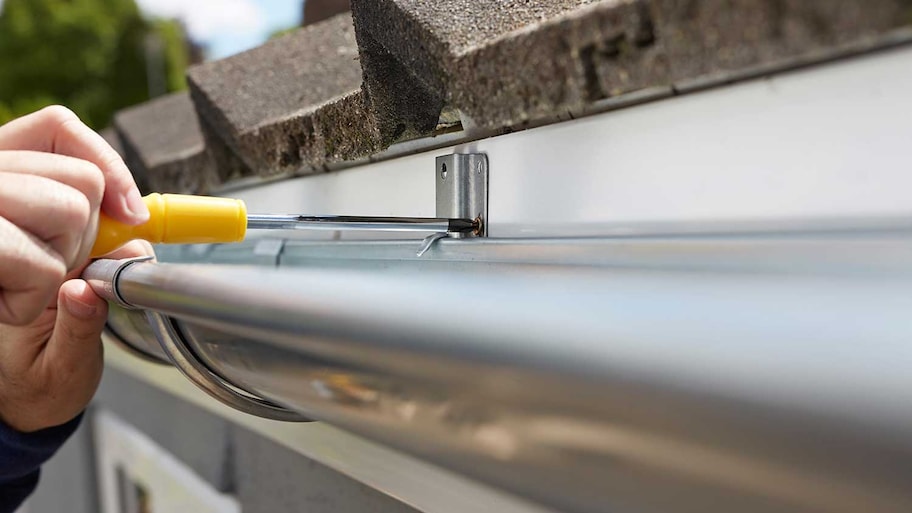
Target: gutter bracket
462,190
462,193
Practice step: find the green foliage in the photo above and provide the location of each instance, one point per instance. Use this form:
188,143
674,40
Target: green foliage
89,55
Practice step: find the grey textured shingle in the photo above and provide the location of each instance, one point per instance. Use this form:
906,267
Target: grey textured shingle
393,70
163,146
291,105
504,62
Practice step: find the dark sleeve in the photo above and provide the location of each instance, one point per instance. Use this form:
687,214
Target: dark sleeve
21,456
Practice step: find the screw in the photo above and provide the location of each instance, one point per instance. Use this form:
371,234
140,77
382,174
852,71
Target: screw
443,171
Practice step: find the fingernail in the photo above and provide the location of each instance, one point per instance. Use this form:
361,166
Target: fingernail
136,206
77,308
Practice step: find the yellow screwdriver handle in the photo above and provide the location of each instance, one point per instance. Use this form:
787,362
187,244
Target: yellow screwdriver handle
177,219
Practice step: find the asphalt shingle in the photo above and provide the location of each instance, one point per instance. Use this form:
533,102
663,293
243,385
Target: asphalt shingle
392,70
505,62
162,145
292,105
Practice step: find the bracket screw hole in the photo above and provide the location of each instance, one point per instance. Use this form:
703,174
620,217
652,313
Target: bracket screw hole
443,171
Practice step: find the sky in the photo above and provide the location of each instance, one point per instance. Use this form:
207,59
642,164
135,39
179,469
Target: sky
226,27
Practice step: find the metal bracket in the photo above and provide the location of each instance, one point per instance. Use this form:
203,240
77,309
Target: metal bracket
462,190
462,207
462,193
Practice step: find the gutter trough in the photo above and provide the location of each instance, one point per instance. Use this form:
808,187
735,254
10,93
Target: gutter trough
582,388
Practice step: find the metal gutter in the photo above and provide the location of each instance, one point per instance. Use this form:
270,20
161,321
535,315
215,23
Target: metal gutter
585,390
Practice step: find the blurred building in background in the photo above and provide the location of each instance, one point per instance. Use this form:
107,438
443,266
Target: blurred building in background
319,10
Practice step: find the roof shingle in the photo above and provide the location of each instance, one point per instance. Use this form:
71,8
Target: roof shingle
163,147
505,62
392,70
291,105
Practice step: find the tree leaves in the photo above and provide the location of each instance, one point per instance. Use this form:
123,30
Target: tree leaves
90,55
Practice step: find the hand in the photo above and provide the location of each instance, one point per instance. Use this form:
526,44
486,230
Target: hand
56,175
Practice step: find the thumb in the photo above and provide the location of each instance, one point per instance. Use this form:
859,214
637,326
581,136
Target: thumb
81,316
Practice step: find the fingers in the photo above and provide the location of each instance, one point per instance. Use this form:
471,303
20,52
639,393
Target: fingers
132,249
81,316
58,130
32,273
80,175
56,214
51,385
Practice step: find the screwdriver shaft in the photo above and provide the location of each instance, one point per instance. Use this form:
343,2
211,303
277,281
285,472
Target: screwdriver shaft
394,224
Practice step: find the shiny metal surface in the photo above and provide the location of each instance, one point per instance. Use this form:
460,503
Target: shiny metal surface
872,246
126,326
104,277
359,223
462,190
429,242
422,485
585,390
182,357
131,330
879,247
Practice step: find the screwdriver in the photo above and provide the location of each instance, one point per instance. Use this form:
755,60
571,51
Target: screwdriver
187,219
